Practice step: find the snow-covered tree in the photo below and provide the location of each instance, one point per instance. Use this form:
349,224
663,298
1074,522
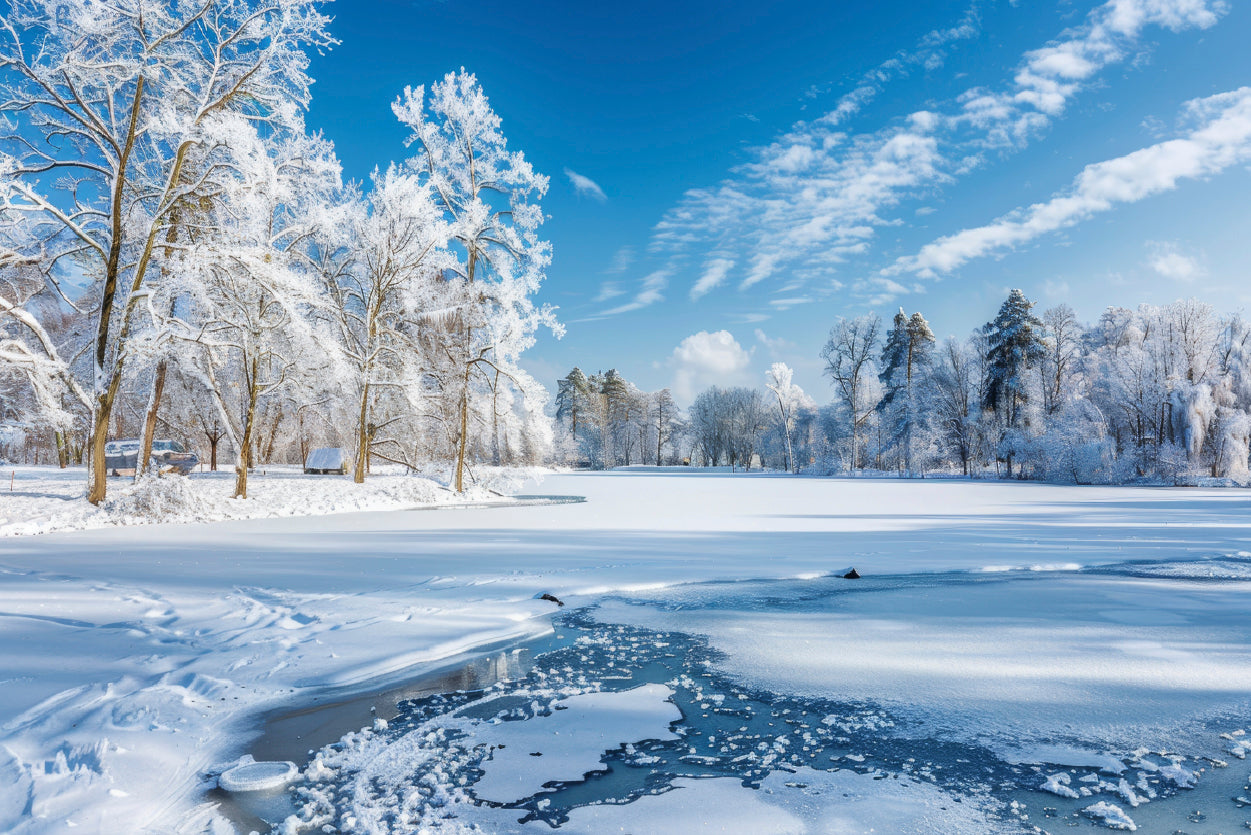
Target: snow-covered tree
401,253
1014,346
1063,344
251,304
489,195
666,421
848,355
906,359
105,104
789,398
956,401
30,350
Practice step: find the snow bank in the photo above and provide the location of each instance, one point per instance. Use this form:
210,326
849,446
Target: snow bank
52,500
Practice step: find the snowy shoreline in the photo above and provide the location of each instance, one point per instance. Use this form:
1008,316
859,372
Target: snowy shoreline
46,500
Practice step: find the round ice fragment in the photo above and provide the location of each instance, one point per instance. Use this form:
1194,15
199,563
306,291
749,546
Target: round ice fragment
251,777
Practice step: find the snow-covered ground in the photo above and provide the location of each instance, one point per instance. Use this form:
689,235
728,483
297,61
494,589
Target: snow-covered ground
133,659
44,500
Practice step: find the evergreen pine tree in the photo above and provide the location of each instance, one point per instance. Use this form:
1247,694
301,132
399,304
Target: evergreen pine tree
1013,345
571,399
905,356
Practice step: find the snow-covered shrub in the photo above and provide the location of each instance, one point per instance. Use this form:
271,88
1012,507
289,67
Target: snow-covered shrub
154,498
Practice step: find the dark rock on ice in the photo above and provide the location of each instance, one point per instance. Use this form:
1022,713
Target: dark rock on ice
852,575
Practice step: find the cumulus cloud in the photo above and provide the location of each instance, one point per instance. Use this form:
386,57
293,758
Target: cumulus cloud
818,194
585,186
705,359
1221,139
1168,260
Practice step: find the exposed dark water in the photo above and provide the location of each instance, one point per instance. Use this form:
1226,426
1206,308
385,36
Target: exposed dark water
728,730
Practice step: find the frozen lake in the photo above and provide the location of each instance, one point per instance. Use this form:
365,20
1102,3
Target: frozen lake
1016,655
962,702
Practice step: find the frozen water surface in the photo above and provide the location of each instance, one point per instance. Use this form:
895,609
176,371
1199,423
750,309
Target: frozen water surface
966,702
1015,656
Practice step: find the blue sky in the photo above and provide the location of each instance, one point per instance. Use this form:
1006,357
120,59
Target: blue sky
728,178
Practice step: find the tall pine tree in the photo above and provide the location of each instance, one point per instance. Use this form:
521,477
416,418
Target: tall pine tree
1013,345
906,357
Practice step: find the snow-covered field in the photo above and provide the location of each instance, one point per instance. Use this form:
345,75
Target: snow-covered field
135,659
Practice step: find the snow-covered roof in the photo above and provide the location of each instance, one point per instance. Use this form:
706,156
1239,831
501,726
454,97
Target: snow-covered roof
325,458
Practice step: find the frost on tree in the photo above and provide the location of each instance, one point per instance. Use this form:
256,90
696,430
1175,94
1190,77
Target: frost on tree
105,105
789,399
490,198
380,302
848,355
248,304
905,359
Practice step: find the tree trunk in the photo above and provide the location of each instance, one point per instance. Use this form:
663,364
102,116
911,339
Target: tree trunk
362,438
463,442
660,436
97,483
143,463
245,443
62,451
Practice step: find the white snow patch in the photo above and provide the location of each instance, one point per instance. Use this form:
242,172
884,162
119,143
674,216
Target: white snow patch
570,743
806,801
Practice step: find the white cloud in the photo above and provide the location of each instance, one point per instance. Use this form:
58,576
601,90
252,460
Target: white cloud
817,194
713,275
609,290
776,346
705,359
585,186
621,260
1053,289
1168,260
750,318
788,303
652,291
1222,139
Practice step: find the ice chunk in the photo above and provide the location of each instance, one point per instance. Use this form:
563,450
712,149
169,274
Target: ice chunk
1112,816
572,739
251,777
1059,784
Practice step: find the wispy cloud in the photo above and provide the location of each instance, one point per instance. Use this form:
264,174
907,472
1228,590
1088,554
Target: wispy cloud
585,186
713,275
1221,138
609,290
652,291
929,54
817,195
776,346
621,260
